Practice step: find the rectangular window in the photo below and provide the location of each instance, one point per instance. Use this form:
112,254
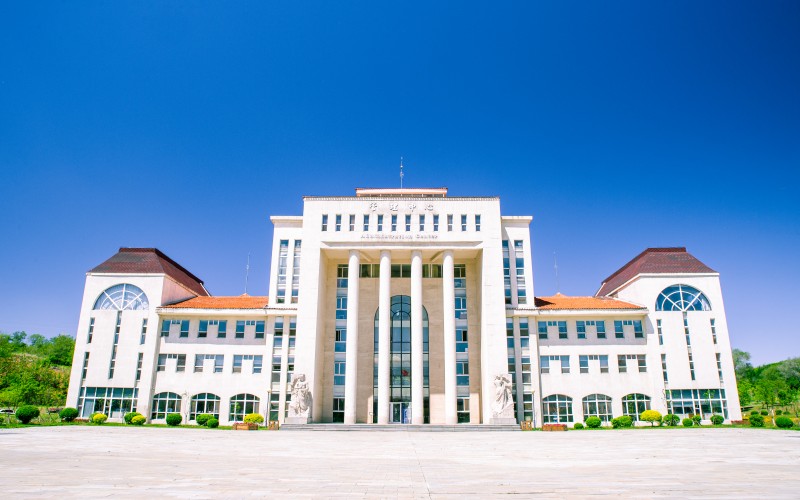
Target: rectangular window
324,222
641,360
581,327
462,373
421,222
338,372
603,363
660,333
621,363
180,365
338,410
664,368
240,329
202,329
380,223
237,363
562,329
506,272
198,362
352,225
461,340
85,366
462,410
162,363
719,367
218,362
222,329
139,367
601,329
618,330
296,270
184,328
366,222
340,340
542,328
258,361
637,329
91,331
713,331
283,257
519,263
449,222
477,222
436,222
564,363
143,336
338,226
583,362
544,364
165,328
408,223
260,329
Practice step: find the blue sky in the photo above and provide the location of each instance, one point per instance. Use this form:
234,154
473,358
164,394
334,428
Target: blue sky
617,125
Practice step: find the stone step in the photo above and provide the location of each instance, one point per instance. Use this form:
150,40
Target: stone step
399,428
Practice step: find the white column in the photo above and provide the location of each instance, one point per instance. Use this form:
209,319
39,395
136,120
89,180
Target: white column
384,336
449,320
417,391
351,357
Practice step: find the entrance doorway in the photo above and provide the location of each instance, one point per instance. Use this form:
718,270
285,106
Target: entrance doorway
401,412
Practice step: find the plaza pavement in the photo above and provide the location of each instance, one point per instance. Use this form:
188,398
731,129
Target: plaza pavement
118,462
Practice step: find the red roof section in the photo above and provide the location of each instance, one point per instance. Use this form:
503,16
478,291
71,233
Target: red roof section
654,261
559,301
150,261
240,302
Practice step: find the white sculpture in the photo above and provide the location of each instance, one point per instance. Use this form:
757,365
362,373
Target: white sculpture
301,397
503,406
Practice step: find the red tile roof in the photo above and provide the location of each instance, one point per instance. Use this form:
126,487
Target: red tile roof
559,301
239,302
150,261
654,261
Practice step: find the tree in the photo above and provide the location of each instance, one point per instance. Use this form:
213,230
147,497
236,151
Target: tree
61,350
741,364
790,369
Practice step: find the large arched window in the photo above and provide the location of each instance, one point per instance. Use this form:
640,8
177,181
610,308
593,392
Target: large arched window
557,409
164,403
682,298
634,404
597,405
204,403
122,297
243,404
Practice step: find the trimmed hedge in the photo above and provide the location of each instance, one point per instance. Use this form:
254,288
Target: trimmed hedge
651,416
696,419
98,418
621,422
756,420
578,425
26,413
253,418
212,423
687,422
203,418
130,415
593,422
174,419
68,414
717,419
671,419
138,420
784,422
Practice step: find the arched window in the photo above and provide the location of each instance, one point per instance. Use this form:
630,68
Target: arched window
122,298
597,405
204,403
634,404
163,403
557,409
682,298
243,404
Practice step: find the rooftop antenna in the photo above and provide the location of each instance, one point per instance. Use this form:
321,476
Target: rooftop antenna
246,273
555,267
401,172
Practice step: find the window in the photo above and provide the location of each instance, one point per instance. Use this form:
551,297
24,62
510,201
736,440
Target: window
463,223
462,410
204,403
601,329
557,409
199,362
639,359
664,368
111,401
243,404
544,363
124,297
660,332
237,363
421,219
436,222
202,329
542,328
296,270
581,327
634,404
562,329
462,373
260,329
338,410
165,327
619,332
601,359
352,225
477,222
461,340
380,223
431,270
682,298
165,403
283,256
597,405
637,329
338,226
240,329
449,222
184,328
394,223
719,367
583,363
275,407
713,331
338,372
324,222
691,365
139,362
91,331
519,263
506,272
408,223
366,222
258,361
162,363
85,365
340,342
144,332
180,365
222,329
697,402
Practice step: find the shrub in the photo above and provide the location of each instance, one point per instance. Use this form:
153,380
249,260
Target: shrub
778,412
593,422
26,413
756,420
687,422
764,413
174,419
697,419
784,422
212,423
253,418
754,412
578,425
671,419
68,414
129,416
622,422
138,420
98,418
651,416
717,419
203,418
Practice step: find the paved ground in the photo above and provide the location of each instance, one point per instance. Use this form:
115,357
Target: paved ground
187,463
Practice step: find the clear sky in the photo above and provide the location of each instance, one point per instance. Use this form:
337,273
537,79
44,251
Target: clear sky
617,125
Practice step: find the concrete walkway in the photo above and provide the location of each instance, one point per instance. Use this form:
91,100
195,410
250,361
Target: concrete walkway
116,462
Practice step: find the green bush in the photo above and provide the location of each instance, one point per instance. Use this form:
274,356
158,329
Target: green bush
68,414
98,418
756,420
778,412
754,412
717,419
784,422
671,419
138,420
212,423
578,426
203,418
764,413
253,418
26,413
129,416
696,419
174,419
593,422
651,416
687,422
622,422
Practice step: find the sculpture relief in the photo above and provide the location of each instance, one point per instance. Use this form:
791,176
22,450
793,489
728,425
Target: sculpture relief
301,397
503,406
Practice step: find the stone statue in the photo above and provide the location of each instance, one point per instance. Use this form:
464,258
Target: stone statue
301,397
503,405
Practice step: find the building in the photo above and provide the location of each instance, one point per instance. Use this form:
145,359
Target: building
403,306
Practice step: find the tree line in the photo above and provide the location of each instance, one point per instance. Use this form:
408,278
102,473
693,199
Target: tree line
34,369
771,385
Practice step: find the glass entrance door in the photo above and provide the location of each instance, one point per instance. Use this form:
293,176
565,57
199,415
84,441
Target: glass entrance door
401,413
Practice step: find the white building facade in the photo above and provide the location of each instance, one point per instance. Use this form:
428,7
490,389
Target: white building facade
403,306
